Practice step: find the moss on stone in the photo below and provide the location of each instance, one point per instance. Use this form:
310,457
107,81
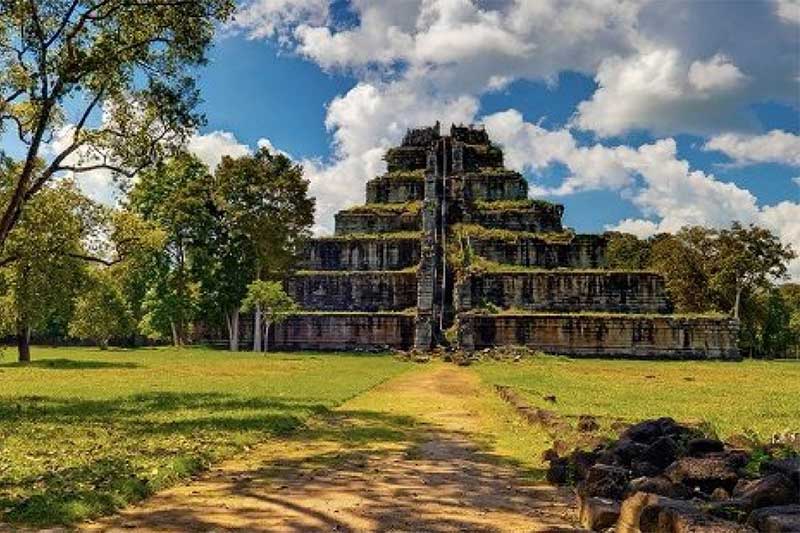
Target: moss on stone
411,208
406,175
480,232
390,236
516,205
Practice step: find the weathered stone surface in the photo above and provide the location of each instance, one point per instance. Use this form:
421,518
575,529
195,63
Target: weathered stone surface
354,291
582,252
659,485
539,218
490,186
789,467
630,516
661,453
361,254
344,331
605,481
681,519
705,473
618,292
773,490
597,514
627,336
783,519
348,223
397,188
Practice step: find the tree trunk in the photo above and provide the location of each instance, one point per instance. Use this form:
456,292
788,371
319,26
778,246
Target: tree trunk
257,330
24,342
232,319
175,339
738,302
103,344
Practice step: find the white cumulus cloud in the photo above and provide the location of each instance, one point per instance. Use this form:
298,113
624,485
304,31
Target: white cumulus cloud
774,147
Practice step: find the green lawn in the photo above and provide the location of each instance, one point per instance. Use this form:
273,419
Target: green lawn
761,397
83,432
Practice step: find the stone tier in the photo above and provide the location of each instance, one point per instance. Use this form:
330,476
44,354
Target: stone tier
344,331
540,217
396,187
360,221
581,252
587,335
354,291
565,291
367,252
489,186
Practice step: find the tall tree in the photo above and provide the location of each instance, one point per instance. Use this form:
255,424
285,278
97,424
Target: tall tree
61,61
266,209
275,305
746,259
101,312
44,261
627,252
683,259
176,194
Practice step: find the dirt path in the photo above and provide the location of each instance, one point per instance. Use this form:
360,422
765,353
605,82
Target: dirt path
401,457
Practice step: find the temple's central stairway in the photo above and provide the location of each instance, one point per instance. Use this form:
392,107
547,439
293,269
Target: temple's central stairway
449,249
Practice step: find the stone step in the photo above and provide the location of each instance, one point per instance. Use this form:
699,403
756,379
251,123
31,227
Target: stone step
604,335
578,251
379,218
354,291
396,187
520,215
387,251
565,291
344,331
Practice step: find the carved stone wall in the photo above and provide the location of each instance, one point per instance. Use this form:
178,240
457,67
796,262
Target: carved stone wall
344,331
628,336
394,189
566,291
348,223
361,254
354,291
536,219
490,187
583,252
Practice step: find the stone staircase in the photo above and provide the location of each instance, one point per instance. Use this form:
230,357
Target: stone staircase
449,249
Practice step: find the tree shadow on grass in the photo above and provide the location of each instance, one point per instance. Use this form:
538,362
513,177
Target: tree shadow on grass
155,440
393,473
70,364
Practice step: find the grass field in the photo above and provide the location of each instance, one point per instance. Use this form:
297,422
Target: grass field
83,432
759,398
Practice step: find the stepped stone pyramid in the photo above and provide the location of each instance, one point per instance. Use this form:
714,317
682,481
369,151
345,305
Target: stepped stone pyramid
449,249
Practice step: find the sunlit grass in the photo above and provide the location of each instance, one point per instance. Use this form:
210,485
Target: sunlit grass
752,397
84,432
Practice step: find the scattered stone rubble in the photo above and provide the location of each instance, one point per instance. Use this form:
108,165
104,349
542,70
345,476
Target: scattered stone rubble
663,477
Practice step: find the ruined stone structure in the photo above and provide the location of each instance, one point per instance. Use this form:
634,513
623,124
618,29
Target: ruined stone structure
449,249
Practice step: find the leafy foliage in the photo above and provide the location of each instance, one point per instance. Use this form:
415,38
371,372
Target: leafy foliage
101,311
61,61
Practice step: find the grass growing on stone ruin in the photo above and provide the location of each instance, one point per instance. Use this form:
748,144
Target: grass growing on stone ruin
754,398
84,432
515,205
480,232
411,208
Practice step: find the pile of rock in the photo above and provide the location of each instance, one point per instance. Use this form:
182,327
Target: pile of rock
661,476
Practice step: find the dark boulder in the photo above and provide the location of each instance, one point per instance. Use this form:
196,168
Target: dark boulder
626,451
659,485
684,519
788,467
643,468
559,472
703,473
605,481
771,491
582,461
662,452
783,519
700,447
645,432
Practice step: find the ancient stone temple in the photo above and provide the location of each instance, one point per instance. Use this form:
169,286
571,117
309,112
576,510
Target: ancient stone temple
449,250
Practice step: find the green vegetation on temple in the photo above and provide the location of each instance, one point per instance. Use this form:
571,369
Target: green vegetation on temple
480,232
411,208
356,273
406,175
515,205
390,236
490,309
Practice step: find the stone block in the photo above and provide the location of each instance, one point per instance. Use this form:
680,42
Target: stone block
344,331
382,252
354,291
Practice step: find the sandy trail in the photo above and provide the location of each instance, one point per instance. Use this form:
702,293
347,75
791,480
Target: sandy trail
369,467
